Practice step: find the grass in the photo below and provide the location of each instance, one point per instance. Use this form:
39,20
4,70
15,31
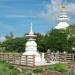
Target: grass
37,70
7,69
60,67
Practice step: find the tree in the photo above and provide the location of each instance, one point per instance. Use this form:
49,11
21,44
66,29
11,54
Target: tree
57,40
62,40
40,42
71,36
15,45
10,36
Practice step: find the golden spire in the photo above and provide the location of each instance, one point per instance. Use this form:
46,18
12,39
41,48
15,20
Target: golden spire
63,8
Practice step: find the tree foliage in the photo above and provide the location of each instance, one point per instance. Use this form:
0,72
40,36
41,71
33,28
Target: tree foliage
55,40
15,44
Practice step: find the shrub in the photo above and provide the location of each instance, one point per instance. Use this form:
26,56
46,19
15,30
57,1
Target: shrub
29,73
57,67
37,70
60,67
69,72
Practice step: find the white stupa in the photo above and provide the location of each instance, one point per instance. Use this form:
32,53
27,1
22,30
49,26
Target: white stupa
31,48
63,18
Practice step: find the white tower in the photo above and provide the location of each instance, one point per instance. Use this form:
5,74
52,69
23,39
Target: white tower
31,45
31,48
63,18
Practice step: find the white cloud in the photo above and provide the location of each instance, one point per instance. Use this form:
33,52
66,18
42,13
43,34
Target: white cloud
2,38
20,16
15,16
53,10
46,14
71,8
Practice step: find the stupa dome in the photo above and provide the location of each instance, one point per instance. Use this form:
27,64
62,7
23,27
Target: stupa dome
31,43
62,25
31,46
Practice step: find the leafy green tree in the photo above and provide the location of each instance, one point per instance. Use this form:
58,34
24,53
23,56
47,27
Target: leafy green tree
15,45
71,36
41,41
10,36
57,40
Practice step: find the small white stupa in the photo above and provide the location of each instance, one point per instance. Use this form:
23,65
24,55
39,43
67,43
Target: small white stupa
63,18
31,48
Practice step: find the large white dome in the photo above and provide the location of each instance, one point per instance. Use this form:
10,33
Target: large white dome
31,43
62,25
31,46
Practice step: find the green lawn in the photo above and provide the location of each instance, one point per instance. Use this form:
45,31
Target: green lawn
7,69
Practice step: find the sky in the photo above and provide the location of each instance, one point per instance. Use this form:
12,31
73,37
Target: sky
16,15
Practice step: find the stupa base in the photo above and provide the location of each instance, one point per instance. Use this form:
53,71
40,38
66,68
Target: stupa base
28,59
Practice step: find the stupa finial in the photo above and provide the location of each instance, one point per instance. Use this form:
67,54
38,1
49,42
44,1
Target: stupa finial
31,30
63,8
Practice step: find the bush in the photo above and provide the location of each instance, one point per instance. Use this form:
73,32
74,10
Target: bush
69,72
29,73
57,67
60,67
37,70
